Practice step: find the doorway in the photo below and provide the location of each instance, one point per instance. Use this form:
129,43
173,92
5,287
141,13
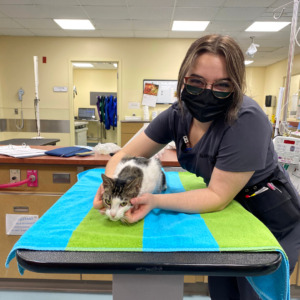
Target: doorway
95,89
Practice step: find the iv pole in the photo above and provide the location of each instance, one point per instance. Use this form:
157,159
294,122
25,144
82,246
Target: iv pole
36,99
290,57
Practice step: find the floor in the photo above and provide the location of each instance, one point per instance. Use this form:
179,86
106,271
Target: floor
8,295
25,295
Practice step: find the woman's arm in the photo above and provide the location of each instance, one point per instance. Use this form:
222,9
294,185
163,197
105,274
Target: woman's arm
222,188
139,146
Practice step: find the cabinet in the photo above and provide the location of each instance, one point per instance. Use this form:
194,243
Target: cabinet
26,200
129,129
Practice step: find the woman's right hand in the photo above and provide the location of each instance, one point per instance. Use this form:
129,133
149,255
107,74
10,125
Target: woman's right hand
98,203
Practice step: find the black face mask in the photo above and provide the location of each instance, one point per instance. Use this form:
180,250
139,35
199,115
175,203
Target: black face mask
206,107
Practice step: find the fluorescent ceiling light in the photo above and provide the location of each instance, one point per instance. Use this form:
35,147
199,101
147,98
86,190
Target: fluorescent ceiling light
248,62
83,65
267,26
73,24
189,25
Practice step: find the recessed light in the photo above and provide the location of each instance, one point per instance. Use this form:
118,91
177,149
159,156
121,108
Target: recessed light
267,26
83,65
248,62
189,25
115,65
74,24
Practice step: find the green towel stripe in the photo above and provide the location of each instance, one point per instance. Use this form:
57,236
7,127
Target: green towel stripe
191,181
254,237
128,238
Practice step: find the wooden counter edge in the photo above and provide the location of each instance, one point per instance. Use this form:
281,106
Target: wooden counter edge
168,159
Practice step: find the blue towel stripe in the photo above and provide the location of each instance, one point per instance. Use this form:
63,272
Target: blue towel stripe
37,237
180,234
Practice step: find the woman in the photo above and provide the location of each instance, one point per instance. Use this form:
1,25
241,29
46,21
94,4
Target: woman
224,137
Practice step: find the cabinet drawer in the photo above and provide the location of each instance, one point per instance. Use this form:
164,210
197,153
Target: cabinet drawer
51,178
131,127
32,204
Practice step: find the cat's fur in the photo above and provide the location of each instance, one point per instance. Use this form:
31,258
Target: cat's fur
133,176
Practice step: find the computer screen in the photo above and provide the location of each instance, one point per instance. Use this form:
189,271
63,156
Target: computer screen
86,113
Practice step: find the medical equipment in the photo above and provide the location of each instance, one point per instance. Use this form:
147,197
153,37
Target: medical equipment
293,39
20,97
252,48
36,99
288,151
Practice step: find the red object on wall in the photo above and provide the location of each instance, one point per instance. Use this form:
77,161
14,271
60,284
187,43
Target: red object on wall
44,59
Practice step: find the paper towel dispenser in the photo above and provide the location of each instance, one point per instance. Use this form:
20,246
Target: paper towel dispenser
270,101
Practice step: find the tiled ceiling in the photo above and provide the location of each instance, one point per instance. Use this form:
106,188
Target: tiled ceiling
152,19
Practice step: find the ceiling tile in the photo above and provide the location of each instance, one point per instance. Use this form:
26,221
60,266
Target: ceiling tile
48,32
278,3
150,13
252,3
38,23
238,14
11,2
101,2
42,11
113,24
9,23
156,3
107,12
195,14
228,25
200,3
56,2
150,25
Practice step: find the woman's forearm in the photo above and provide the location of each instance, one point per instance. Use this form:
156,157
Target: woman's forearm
113,162
196,201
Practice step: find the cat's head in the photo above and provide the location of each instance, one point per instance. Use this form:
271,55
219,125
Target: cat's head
117,195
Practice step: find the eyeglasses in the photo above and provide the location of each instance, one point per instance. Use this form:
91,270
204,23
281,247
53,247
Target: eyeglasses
222,89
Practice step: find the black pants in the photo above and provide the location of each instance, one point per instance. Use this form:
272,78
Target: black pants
279,212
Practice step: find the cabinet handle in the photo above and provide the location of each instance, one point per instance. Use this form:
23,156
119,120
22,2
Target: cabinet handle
19,209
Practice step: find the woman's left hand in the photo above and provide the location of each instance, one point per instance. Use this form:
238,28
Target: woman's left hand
142,205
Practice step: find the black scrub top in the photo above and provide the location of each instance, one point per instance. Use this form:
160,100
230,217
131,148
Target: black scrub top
246,145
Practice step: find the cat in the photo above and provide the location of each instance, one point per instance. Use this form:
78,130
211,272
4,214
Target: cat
133,176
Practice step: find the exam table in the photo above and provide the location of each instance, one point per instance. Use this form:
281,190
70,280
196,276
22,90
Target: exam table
149,275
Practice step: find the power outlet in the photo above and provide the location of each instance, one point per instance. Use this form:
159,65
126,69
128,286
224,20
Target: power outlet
34,182
14,175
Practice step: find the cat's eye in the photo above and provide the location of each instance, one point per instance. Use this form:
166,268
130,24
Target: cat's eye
123,204
108,201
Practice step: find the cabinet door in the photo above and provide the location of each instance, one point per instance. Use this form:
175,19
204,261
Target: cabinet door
30,204
128,130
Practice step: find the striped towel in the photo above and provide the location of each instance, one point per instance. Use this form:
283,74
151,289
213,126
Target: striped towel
73,224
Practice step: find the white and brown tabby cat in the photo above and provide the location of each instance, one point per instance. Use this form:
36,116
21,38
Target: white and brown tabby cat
133,176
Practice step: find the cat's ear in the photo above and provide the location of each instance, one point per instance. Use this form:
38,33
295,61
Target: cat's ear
107,182
133,187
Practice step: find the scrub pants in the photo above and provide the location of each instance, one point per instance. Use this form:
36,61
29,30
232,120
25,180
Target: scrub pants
238,288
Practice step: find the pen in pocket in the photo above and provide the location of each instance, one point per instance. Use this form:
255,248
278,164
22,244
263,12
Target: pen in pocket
273,187
263,189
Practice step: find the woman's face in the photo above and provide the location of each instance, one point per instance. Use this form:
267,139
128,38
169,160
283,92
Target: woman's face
210,67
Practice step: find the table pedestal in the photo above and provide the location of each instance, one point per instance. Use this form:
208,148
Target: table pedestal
147,287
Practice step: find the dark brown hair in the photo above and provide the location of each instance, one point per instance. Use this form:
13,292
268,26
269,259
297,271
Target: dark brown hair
226,47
